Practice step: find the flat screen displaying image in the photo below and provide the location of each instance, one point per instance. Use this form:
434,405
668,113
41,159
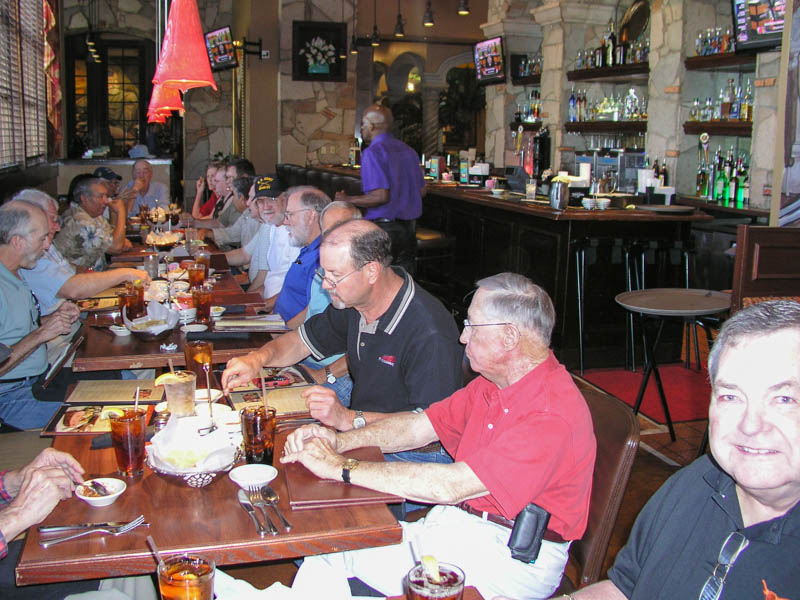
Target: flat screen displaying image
221,53
490,64
758,24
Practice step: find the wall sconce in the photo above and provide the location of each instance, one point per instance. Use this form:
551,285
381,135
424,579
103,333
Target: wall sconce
463,7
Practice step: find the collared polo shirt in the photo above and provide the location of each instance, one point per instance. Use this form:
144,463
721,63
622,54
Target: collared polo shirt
319,301
156,195
532,441
392,165
407,358
296,291
676,540
51,272
18,318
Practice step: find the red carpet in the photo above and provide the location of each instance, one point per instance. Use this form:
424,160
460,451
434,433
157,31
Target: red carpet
688,391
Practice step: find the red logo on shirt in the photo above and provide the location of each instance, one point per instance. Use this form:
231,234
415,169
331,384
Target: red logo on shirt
387,360
769,594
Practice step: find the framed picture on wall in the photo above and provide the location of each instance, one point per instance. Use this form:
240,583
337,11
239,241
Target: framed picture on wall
315,51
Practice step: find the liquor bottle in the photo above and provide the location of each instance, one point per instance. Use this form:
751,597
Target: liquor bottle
600,54
700,180
611,44
656,168
646,162
711,178
746,111
707,111
573,112
694,113
718,106
698,44
726,41
733,185
736,104
662,175
726,98
621,53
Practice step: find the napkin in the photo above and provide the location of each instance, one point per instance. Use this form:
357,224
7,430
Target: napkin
212,452
155,312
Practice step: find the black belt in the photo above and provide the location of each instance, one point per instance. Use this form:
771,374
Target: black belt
430,448
18,379
549,535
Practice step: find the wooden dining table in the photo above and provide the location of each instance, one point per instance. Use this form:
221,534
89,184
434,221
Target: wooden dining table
206,520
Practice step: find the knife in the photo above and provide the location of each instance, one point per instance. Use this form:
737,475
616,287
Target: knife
59,528
248,507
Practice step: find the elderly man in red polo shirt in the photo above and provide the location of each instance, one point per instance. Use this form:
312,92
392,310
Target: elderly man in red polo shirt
521,434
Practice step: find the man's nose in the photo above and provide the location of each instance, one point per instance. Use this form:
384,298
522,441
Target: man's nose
752,421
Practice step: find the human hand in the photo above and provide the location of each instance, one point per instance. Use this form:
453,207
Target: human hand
318,456
200,185
324,406
126,244
133,274
70,310
126,195
138,185
50,457
39,493
117,207
296,440
58,322
240,370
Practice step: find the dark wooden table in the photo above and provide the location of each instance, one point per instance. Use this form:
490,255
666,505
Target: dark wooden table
207,520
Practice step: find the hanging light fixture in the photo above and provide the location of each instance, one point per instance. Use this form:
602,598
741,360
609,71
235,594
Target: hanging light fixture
343,49
427,18
398,29
463,7
376,37
179,65
353,41
163,101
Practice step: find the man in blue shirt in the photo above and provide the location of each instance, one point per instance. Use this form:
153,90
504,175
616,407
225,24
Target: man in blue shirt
302,218
149,193
393,185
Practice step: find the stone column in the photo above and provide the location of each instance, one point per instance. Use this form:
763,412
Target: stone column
431,131
765,129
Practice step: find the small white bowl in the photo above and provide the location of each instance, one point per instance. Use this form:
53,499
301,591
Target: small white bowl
195,328
218,411
202,395
180,286
217,311
589,203
252,475
497,192
115,486
603,203
119,330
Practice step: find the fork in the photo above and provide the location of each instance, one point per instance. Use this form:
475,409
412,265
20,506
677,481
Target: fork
111,530
254,495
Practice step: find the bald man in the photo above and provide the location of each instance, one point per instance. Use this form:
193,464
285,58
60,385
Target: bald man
393,185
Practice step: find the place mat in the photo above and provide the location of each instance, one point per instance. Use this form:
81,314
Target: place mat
666,208
86,419
116,391
307,491
287,401
97,304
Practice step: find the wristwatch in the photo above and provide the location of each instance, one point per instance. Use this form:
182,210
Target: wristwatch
350,464
359,420
329,377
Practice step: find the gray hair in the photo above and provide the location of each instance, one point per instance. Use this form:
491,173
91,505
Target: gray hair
355,213
367,242
84,187
15,219
310,197
754,321
37,197
516,299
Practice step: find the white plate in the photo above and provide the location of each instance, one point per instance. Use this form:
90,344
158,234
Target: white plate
196,328
119,330
257,475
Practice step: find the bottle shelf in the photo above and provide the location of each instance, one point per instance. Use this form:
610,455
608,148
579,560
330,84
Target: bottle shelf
732,128
728,61
635,74
534,126
514,63
623,127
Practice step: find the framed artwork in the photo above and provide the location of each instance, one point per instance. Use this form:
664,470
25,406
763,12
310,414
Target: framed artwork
315,51
221,54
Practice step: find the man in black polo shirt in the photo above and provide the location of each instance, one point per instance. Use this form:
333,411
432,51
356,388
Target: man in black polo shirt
401,343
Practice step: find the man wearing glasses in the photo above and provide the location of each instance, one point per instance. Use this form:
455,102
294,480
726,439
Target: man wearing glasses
401,343
728,525
86,236
520,433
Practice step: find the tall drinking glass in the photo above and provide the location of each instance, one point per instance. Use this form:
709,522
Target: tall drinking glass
201,297
258,431
197,273
204,258
198,353
180,393
127,439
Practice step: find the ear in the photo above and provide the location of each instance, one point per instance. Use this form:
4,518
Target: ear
511,337
372,269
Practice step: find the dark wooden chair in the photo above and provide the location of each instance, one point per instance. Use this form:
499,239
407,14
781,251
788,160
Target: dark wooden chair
616,429
767,265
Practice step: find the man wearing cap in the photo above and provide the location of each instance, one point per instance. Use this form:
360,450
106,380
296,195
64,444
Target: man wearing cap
393,185
149,193
112,180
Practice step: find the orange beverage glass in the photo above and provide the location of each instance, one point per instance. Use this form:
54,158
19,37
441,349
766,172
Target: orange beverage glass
204,258
201,297
258,431
127,439
449,587
197,273
129,301
198,353
187,577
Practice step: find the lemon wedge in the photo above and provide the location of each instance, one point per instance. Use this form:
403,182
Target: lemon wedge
431,568
170,378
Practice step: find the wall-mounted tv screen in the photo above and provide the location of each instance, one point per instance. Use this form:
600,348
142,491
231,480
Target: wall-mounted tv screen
221,54
490,62
758,24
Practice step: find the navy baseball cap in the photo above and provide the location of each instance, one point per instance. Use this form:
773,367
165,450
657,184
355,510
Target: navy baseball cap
106,173
266,185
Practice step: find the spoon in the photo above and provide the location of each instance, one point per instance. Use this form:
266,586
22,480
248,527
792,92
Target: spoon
271,496
97,487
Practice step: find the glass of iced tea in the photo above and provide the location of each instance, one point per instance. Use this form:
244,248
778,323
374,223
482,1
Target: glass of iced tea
204,258
127,439
201,298
197,273
179,387
198,353
449,587
128,301
258,431
187,577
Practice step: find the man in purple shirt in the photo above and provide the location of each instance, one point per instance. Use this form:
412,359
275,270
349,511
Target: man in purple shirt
391,178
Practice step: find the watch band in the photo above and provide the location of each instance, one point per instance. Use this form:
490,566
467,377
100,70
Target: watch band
359,421
329,377
350,464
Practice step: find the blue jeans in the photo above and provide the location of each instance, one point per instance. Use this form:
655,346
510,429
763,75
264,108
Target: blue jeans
439,456
343,386
19,408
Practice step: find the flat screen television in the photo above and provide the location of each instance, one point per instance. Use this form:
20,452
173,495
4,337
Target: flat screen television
221,53
490,62
758,24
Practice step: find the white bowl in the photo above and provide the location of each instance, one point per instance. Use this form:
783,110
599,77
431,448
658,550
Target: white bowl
217,311
202,395
115,486
187,315
253,475
497,192
218,411
195,328
119,330
588,203
180,286
603,203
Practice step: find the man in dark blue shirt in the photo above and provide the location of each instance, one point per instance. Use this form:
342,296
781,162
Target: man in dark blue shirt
302,219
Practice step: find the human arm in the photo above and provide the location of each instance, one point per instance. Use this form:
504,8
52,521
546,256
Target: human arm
298,319
258,283
199,197
371,199
285,350
118,216
324,405
237,257
85,285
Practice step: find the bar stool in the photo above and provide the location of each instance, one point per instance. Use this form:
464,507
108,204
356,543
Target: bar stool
435,247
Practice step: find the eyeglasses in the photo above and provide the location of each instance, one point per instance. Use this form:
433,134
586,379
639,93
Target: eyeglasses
468,324
331,282
732,547
37,318
289,213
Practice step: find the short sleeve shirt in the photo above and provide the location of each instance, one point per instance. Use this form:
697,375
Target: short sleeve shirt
257,249
676,540
51,272
532,441
319,301
407,358
18,318
296,290
157,195
392,165
83,240
280,256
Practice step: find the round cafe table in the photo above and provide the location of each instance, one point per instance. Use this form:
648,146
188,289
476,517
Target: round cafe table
663,303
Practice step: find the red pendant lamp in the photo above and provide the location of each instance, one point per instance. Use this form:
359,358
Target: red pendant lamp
183,63
163,101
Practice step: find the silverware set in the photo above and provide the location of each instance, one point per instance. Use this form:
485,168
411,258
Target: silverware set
114,529
255,497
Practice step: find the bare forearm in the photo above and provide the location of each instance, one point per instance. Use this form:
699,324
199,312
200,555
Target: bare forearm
370,199
603,590
85,285
237,257
22,349
258,282
283,351
118,238
391,432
